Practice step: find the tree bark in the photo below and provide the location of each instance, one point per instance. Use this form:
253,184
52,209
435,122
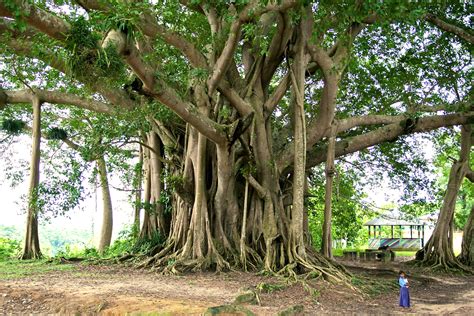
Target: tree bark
467,247
326,246
438,251
155,220
31,249
299,173
138,181
107,212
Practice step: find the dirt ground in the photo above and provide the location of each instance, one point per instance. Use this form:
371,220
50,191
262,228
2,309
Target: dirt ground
117,290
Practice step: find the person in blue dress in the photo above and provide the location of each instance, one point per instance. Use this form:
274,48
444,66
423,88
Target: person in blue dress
404,293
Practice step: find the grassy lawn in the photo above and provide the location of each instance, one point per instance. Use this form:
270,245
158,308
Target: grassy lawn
338,252
405,253
14,269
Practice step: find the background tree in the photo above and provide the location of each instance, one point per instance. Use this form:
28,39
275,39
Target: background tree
31,248
438,251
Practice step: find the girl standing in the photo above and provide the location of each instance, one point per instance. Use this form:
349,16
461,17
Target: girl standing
404,293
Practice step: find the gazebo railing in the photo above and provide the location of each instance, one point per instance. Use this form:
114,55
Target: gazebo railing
396,243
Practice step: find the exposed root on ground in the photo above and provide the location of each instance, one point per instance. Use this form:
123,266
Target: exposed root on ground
441,264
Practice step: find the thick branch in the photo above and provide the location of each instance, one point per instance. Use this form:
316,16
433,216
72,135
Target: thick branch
40,19
91,5
456,30
278,94
55,97
367,120
23,47
321,57
224,59
389,133
243,107
261,191
188,112
153,29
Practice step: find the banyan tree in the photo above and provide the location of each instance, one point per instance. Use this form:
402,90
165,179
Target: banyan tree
237,102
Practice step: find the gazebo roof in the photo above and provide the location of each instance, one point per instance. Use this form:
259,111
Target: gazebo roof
393,220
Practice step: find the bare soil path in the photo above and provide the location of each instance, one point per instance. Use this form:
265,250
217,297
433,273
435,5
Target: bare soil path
117,290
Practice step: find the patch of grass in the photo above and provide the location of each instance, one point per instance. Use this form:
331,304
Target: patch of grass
405,253
375,287
339,252
269,287
15,269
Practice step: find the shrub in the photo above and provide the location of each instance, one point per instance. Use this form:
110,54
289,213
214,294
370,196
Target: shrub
8,248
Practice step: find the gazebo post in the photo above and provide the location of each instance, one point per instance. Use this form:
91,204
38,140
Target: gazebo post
368,226
411,231
423,235
392,231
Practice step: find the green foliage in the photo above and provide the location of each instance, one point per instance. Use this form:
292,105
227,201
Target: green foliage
81,35
56,133
9,248
348,212
13,126
75,251
87,60
264,287
175,181
127,242
145,245
62,189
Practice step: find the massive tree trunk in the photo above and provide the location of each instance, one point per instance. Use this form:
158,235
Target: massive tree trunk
31,249
233,214
438,251
467,248
107,211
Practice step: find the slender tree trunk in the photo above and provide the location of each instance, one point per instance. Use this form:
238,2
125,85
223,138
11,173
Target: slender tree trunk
326,247
138,193
299,174
146,229
107,214
467,247
31,249
438,251
163,221
155,220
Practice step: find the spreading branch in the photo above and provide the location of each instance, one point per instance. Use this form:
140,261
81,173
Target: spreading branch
389,133
40,19
466,35
56,97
